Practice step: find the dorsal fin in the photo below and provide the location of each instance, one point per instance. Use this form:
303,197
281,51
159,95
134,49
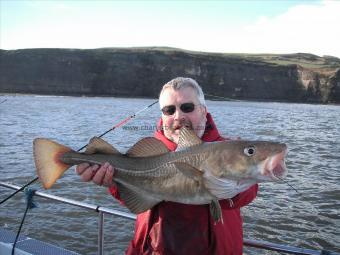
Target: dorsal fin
98,145
147,147
187,138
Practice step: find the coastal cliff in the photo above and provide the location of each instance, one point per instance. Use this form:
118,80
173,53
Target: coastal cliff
140,72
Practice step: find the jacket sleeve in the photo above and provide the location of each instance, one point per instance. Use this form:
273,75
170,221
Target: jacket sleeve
241,199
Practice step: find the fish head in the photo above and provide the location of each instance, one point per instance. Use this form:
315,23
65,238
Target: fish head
259,160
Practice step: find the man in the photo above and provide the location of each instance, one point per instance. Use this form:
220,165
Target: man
174,228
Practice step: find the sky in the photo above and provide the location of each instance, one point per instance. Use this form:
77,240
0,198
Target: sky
267,26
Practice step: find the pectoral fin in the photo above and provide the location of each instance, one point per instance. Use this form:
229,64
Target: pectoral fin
216,211
134,201
189,170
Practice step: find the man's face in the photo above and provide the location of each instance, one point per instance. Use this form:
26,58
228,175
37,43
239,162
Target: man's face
172,123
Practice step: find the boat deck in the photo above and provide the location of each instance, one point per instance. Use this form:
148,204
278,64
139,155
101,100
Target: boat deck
28,246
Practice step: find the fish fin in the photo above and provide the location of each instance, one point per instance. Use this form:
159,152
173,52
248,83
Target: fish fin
216,211
46,157
189,170
187,138
98,145
146,147
134,201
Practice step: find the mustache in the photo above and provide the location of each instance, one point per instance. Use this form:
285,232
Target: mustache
188,125
184,123
180,124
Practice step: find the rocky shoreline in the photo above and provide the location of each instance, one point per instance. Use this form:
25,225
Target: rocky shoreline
140,72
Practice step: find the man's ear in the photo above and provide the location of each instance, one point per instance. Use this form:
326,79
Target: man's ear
204,110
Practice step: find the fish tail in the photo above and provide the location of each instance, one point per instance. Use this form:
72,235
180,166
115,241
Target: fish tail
47,160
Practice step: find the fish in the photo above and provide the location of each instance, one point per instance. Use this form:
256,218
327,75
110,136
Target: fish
148,173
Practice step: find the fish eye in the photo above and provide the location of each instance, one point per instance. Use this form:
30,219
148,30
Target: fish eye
249,151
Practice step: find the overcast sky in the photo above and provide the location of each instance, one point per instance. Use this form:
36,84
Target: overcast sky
286,26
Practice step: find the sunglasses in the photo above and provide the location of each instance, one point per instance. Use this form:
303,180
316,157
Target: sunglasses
171,109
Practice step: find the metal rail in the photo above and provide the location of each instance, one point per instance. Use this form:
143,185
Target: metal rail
103,210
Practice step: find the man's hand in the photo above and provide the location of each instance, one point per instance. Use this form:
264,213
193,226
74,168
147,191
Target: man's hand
100,174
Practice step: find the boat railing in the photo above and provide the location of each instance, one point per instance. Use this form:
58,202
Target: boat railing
104,210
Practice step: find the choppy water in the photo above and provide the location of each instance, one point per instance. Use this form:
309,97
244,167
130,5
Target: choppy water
309,219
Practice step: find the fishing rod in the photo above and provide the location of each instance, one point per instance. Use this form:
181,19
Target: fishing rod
109,130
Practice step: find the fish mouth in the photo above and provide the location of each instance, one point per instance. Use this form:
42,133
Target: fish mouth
275,166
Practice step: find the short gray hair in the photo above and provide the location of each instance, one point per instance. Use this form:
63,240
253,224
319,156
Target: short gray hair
183,82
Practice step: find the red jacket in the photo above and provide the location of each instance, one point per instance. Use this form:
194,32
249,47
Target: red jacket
174,228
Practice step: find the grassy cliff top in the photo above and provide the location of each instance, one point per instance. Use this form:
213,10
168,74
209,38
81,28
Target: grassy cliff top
305,60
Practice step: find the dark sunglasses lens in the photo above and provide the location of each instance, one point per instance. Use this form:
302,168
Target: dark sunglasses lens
187,107
169,110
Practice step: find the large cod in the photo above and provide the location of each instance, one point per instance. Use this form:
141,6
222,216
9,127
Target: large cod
148,173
